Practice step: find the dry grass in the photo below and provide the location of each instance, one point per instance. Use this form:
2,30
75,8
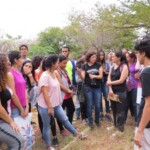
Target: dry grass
98,138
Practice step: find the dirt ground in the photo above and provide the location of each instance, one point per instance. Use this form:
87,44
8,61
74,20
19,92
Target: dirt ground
100,138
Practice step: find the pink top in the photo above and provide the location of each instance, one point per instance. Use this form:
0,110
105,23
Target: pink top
54,90
20,87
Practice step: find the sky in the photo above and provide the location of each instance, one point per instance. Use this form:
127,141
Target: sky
29,17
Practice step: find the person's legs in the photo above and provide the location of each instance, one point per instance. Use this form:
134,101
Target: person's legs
61,116
128,99
133,102
70,109
97,98
105,95
53,126
114,110
89,98
78,110
46,125
14,140
121,111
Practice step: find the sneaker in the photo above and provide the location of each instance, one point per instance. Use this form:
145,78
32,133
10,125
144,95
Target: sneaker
108,118
84,122
91,126
83,135
50,148
110,128
55,142
97,124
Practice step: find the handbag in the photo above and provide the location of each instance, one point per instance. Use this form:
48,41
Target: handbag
26,130
114,98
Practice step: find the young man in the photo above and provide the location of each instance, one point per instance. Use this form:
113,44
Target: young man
142,135
24,52
70,67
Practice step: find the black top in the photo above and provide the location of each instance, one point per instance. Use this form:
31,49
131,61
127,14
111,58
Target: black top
5,96
115,75
145,80
94,69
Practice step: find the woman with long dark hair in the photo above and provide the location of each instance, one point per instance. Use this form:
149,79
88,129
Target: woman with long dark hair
50,100
28,73
101,58
9,131
19,84
92,74
132,84
117,86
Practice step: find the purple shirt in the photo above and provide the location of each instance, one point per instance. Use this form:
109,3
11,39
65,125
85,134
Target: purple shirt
20,87
132,72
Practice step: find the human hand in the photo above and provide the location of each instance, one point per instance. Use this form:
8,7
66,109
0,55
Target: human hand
137,76
137,139
91,76
109,83
50,111
14,126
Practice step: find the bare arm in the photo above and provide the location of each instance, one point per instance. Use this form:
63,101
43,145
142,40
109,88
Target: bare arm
8,119
63,88
32,81
44,90
100,76
109,80
14,97
123,77
4,115
144,121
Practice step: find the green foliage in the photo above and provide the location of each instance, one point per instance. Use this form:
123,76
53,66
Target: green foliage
107,27
40,50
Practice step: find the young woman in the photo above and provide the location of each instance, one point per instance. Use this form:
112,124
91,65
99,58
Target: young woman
67,93
117,85
9,131
28,73
132,84
37,63
102,60
50,100
19,84
92,74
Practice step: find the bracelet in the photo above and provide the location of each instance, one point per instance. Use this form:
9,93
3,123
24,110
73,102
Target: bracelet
30,75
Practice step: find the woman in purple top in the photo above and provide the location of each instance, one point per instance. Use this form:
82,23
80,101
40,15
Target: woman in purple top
19,84
132,84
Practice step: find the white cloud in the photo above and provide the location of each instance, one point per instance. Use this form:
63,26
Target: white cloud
28,17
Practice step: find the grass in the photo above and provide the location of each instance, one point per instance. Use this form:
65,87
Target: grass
98,139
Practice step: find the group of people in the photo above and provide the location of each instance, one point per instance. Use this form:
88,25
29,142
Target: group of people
50,82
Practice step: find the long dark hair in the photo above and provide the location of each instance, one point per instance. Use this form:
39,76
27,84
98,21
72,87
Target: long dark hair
49,61
3,72
26,76
122,57
102,62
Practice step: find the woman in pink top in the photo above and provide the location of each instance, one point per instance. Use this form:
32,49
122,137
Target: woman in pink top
50,100
19,84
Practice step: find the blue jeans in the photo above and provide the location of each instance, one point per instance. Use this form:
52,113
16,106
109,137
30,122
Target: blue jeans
60,115
104,89
93,97
15,112
78,112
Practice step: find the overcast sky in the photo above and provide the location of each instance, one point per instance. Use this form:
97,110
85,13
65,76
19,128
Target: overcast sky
29,17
